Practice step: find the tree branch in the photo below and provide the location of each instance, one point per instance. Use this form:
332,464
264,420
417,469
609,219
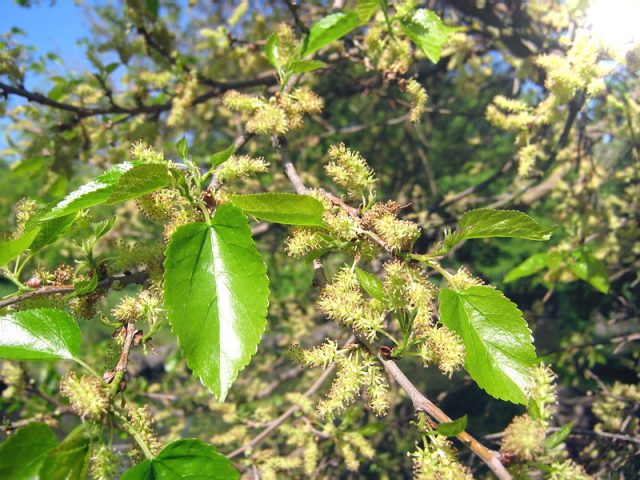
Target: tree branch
123,281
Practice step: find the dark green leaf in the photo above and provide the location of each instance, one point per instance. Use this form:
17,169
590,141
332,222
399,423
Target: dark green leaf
497,340
39,334
427,31
184,459
453,428
487,223
531,265
70,460
153,7
219,158
286,208
182,148
304,66
139,180
559,436
22,454
328,29
12,248
370,283
591,270
216,296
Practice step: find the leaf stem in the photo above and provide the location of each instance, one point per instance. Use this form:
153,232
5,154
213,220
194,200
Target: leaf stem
130,429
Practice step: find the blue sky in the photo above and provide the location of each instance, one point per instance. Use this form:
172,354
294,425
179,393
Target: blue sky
49,28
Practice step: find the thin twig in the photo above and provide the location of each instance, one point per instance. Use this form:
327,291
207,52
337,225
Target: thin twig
123,280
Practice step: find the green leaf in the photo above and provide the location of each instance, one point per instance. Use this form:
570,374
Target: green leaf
216,296
370,283
140,180
184,459
365,9
304,66
272,52
591,270
497,340
487,223
286,208
70,460
427,31
39,334
328,29
12,248
86,286
51,230
531,265
89,195
219,158
182,148
152,7
22,454
559,436
121,182
453,428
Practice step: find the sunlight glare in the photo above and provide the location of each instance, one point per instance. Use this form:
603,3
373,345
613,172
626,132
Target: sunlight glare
615,22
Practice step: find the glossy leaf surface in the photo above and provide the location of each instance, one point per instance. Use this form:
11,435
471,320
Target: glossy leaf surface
498,343
216,296
184,459
286,208
370,284
488,223
39,334
427,31
328,29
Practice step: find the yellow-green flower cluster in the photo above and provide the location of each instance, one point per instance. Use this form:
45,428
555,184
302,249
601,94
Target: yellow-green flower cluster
350,445
142,423
277,115
13,377
463,279
419,99
304,240
610,409
86,395
104,463
241,167
185,95
273,464
167,207
355,370
349,170
301,101
567,470
510,114
524,438
342,301
526,157
145,153
436,460
542,391
25,209
444,348
320,356
398,235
